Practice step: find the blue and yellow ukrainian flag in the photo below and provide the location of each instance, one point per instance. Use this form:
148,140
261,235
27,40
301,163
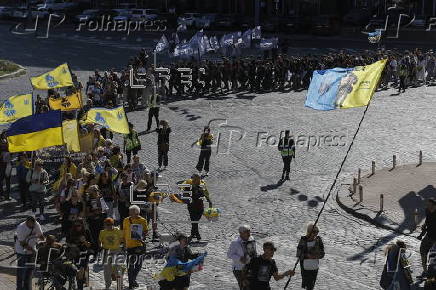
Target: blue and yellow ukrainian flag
344,87
112,119
35,132
57,78
16,107
175,267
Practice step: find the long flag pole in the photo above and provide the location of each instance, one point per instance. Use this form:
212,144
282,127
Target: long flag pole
334,182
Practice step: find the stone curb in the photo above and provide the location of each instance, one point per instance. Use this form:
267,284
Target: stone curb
10,75
346,203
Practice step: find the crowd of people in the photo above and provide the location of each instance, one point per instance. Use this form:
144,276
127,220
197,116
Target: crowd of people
94,195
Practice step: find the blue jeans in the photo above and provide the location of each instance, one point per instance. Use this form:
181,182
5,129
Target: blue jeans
134,266
24,272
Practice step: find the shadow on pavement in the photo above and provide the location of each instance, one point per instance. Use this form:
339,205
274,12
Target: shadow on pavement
409,203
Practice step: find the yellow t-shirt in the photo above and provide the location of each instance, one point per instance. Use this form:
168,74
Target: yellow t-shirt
111,239
134,230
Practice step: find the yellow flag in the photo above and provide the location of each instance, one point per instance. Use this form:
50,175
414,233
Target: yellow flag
57,78
16,107
365,80
68,103
112,119
70,133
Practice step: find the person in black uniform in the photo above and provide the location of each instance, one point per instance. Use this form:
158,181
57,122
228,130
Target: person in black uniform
287,149
205,143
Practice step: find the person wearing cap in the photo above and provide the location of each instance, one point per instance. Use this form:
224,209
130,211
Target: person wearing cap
197,192
38,179
241,251
135,230
26,237
260,269
110,239
205,142
286,147
428,234
310,250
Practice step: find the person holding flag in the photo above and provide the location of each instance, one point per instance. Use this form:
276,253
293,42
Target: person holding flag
197,192
180,254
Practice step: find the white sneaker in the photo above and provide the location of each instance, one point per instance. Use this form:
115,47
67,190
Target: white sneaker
206,173
41,217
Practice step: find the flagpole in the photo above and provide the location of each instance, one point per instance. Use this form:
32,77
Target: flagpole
334,181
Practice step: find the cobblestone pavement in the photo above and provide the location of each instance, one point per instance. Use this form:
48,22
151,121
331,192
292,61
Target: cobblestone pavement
243,181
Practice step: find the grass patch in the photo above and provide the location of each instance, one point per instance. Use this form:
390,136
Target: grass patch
7,67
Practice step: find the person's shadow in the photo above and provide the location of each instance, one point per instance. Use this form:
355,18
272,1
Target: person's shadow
272,186
409,203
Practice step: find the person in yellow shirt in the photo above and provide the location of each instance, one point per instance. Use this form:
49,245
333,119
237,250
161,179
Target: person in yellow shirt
110,239
135,230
